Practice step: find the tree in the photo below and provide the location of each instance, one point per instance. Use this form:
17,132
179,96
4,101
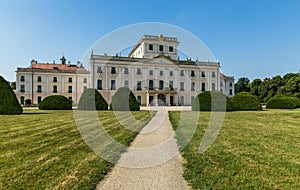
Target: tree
242,85
254,87
9,104
55,102
13,85
91,99
293,86
288,76
244,101
270,87
124,100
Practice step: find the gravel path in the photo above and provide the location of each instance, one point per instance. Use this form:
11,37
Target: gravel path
152,161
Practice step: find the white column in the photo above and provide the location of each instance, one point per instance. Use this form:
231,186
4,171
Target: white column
147,98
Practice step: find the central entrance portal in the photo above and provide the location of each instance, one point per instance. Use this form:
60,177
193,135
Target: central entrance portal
161,100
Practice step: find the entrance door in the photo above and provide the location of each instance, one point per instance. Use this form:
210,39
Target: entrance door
151,101
171,100
161,100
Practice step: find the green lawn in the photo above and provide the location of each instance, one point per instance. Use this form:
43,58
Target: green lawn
44,150
254,150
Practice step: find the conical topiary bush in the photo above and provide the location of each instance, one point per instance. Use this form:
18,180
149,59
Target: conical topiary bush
9,103
124,100
91,99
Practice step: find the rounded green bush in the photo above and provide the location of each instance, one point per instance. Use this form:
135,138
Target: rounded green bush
124,100
283,102
55,102
210,101
245,101
9,103
91,99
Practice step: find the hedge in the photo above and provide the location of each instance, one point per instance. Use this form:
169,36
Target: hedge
55,102
9,103
124,100
203,101
283,102
245,101
91,99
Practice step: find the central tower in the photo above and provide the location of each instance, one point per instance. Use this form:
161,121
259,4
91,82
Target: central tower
151,46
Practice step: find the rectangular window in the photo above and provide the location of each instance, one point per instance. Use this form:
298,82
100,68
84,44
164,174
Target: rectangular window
151,47
139,85
22,88
22,78
54,79
70,79
39,79
193,86
22,100
161,48
84,88
182,100
230,91
99,85
151,85
70,89
126,70
192,73
126,83
203,87
161,73
151,72
181,73
99,69
84,80
161,85
113,84
54,89
171,86
181,86
139,99
213,74
39,99
39,88
213,86
171,73
138,71
230,84
170,48
221,83
202,74
113,70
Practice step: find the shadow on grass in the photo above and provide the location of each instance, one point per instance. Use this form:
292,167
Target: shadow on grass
34,113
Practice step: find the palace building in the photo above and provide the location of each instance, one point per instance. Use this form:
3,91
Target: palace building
152,70
156,75
43,79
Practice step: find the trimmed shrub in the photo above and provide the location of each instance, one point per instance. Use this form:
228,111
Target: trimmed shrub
91,99
245,101
9,103
124,100
283,102
203,101
55,102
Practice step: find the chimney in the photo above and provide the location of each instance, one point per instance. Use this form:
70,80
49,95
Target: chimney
63,60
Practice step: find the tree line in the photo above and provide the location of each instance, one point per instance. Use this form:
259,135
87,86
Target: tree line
267,88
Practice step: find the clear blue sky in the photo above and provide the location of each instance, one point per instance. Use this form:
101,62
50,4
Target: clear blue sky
253,38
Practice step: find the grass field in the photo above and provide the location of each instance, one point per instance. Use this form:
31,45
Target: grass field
44,150
254,150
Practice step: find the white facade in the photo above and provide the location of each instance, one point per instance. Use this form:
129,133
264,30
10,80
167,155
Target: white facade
156,77
41,80
152,70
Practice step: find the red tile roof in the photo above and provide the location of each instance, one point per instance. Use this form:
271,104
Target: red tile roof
62,67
